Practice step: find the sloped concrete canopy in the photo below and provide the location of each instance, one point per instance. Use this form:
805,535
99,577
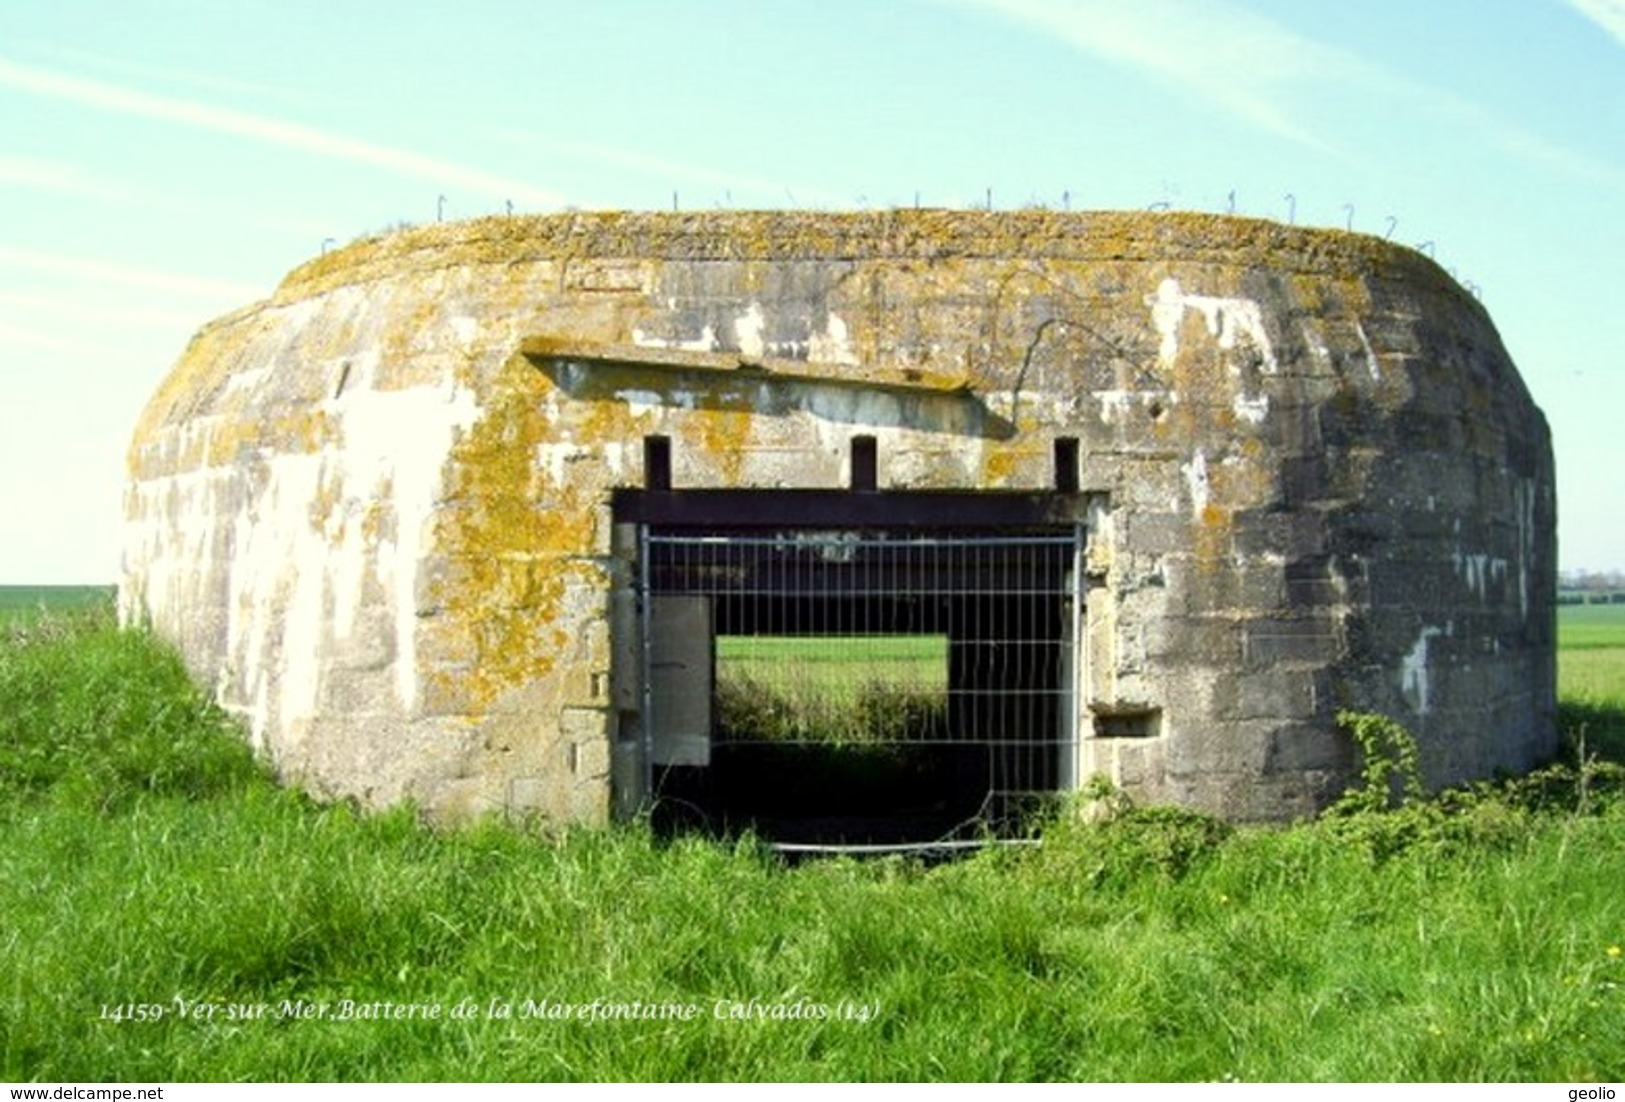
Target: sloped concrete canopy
375,510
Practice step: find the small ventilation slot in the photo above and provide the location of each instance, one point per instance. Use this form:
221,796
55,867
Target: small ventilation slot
657,462
865,465
1142,723
1066,464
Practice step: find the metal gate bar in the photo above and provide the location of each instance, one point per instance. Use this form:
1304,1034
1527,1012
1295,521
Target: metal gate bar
936,670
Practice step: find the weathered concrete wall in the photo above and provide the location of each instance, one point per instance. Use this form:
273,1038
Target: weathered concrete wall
373,509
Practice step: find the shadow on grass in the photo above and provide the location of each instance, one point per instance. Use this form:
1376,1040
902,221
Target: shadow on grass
1597,726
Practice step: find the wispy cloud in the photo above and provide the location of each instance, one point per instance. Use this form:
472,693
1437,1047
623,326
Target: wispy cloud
1243,63
210,83
269,131
52,176
21,336
1525,145
1607,14
125,275
78,310
1270,76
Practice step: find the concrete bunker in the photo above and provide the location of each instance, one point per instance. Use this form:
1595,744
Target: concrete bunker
568,515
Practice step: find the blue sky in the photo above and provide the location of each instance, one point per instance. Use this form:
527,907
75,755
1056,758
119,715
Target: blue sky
164,161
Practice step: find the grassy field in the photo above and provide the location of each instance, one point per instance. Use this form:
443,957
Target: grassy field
1591,675
1591,625
170,914
28,600
838,689
837,664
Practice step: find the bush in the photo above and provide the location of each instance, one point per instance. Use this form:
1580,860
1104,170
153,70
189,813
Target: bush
1388,813
1390,765
749,710
100,716
1104,840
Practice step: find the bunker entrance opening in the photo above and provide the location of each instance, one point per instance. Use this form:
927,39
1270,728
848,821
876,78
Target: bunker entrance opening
858,686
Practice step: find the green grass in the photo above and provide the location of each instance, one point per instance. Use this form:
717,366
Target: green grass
104,718
1591,676
1591,627
833,690
148,861
835,666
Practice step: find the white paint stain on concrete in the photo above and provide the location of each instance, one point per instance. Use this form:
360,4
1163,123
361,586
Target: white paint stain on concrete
1233,322
1252,410
1478,570
1373,365
553,456
1317,346
246,380
319,548
705,342
833,345
849,406
408,478
1523,508
1414,676
466,329
1196,479
640,403
277,554
1167,311
748,330
1115,405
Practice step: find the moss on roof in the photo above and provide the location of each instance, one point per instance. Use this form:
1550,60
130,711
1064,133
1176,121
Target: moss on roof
900,234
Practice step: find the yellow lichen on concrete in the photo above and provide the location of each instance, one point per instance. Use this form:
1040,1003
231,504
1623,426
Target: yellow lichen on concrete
1125,236
512,539
999,466
221,441
722,435
209,360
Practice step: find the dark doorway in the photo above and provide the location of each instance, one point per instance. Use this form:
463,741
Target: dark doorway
857,685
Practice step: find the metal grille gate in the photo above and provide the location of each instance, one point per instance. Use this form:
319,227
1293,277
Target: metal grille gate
859,687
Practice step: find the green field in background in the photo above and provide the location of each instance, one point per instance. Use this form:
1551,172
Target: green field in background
1591,677
837,665
24,600
1586,627
1591,653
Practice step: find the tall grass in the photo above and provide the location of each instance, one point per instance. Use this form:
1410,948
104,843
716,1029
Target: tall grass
99,716
870,713
1475,938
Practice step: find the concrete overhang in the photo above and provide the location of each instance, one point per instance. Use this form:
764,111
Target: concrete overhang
874,395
